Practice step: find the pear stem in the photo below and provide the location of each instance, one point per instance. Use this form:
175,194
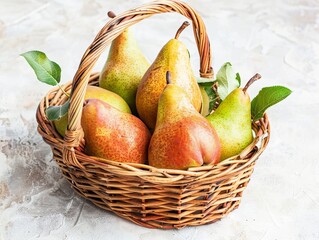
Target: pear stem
111,14
181,28
168,77
253,79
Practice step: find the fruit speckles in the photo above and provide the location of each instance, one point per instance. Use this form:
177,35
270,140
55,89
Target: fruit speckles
124,68
103,131
112,134
172,57
175,146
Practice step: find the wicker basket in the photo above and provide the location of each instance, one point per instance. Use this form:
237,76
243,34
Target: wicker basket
147,196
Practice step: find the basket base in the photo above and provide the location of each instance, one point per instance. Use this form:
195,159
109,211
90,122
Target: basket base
212,205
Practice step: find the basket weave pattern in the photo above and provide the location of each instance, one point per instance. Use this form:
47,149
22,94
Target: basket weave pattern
147,196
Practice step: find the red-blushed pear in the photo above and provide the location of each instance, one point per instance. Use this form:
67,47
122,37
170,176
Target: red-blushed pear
183,138
232,121
112,134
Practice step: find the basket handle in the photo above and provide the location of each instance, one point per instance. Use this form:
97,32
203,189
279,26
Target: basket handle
107,34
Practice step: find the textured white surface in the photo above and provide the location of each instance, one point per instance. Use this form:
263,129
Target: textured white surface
278,39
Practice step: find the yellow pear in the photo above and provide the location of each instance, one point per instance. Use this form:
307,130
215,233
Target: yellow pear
173,57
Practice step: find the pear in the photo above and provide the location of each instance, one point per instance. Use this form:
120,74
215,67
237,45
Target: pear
107,96
183,138
112,134
232,121
124,67
173,57
99,93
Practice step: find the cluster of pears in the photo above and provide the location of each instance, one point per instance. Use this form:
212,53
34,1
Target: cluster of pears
149,114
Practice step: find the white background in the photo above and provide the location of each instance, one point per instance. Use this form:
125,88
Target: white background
278,39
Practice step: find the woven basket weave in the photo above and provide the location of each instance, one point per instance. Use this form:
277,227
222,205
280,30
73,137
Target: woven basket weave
147,196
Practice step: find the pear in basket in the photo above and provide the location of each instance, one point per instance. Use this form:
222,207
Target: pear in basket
99,93
112,134
124,67
183,138
173,57
232,121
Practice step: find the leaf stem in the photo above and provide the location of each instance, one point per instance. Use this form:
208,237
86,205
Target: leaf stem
65,93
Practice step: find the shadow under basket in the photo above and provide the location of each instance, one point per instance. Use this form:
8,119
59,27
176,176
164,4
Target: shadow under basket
147,196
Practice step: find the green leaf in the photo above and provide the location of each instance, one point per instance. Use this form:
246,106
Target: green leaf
46,70
227,80
56,112
266,98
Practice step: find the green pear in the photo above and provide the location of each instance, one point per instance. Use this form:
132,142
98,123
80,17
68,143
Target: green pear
99,93
124,68
112,134
183,138
232,121
173,57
